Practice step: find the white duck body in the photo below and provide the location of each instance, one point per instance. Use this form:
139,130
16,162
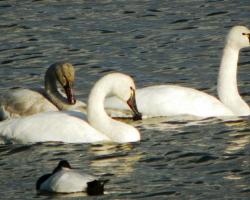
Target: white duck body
67,181
23,102
67,127
170,100
64,179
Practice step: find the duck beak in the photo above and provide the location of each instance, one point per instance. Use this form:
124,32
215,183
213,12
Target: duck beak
132,104
70,94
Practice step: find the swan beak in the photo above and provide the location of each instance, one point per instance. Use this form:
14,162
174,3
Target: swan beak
69,93
132,104
248,35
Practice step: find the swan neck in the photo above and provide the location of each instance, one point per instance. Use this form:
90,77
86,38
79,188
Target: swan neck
52,91
227,81
97,115
98,118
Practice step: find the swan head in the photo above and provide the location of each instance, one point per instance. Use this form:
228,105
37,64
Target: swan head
65,74
239,37
124,88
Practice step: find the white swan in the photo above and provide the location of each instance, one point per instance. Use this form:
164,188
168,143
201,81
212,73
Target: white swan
22,102
169,100
66,127
64,179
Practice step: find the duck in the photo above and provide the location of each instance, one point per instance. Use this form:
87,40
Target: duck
18,101
68,127
175,100
64,179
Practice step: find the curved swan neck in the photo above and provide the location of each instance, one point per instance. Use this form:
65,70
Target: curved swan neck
98,118
227,81
51,90
97,115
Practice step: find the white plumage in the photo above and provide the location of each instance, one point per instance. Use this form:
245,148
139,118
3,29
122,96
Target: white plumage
64,179
170,100
68,127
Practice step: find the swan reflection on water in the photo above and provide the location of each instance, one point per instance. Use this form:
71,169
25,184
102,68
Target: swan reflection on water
239,139
116,159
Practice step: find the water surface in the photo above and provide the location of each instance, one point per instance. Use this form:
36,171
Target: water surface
156,42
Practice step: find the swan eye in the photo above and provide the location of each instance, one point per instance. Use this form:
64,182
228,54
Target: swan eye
247,34
132,91
64,80
68,82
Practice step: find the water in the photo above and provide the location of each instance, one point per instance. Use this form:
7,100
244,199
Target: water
155,42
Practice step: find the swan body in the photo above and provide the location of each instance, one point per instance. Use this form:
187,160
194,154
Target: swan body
64,179
169,100
49,127
23,102
163,100
69,128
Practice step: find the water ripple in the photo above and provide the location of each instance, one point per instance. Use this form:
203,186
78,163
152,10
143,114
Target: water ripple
156,42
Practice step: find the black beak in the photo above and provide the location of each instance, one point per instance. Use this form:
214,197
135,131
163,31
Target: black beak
69,93
132,104
248,35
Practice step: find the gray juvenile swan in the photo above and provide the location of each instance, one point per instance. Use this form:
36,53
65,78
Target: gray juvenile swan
22,102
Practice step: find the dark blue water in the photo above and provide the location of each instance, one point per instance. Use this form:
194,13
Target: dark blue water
156,42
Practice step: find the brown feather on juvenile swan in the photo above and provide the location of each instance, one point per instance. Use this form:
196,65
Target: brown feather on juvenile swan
22,102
